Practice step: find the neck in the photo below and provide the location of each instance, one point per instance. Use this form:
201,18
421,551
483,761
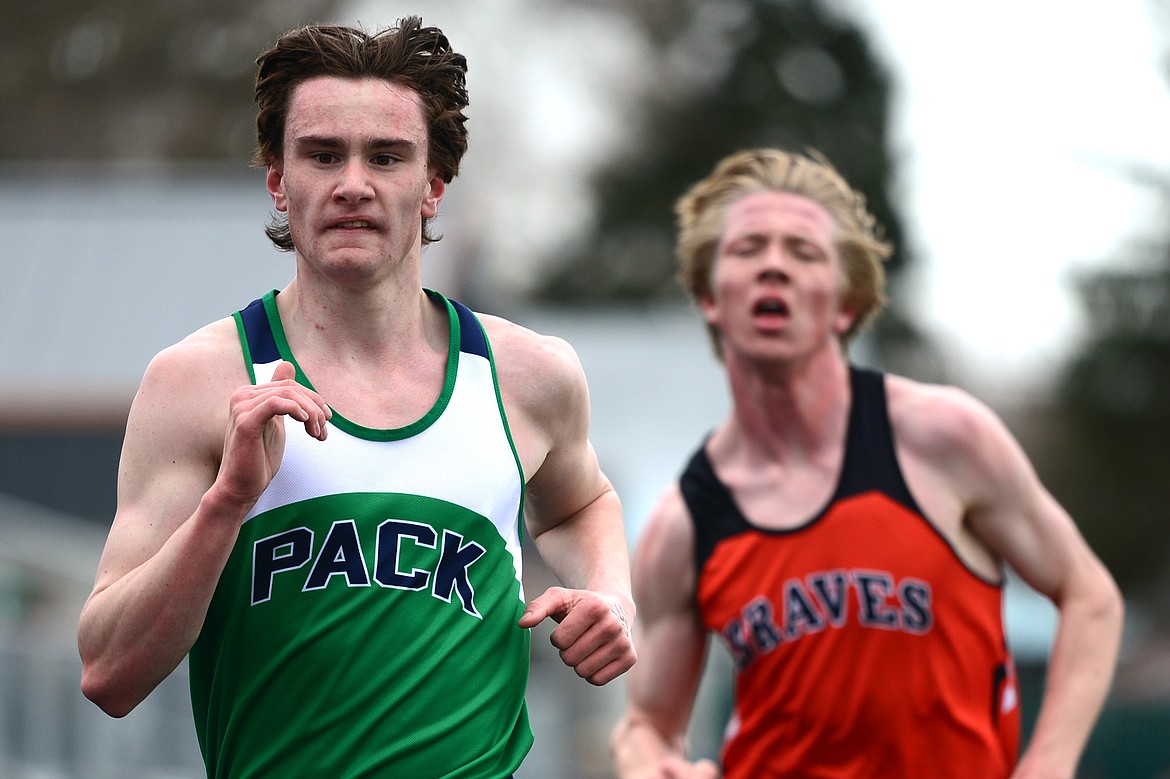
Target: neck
378,322
789,410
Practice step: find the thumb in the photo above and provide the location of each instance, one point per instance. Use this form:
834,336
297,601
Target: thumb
284,371
553,603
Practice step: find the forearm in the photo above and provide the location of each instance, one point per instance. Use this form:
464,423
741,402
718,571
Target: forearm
588,551
1080,672
136,630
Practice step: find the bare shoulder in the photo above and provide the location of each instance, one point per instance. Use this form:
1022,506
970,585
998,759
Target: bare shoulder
174,442
956,444
668,532
935,419
186,388
204,361
537,372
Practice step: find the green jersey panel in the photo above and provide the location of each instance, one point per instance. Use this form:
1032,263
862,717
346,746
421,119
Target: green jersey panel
365,623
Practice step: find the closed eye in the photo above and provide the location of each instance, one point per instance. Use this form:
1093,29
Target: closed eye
805,250
746,247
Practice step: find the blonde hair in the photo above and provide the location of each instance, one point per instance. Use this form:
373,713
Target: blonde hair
701,212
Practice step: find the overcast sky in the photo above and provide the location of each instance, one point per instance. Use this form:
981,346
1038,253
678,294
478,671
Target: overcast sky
1012,121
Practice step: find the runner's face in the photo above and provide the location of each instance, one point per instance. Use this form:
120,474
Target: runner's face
354,179
777,279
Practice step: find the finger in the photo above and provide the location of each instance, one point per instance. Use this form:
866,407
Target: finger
600,654
554,602
253,408
607,662
590,624
315,412
284,371
612,670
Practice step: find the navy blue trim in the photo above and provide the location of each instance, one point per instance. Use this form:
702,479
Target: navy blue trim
870,459
714,513
471,337
261,342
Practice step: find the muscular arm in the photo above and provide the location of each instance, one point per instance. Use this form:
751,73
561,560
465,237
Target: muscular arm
178,510
1007,508
649,741
572,513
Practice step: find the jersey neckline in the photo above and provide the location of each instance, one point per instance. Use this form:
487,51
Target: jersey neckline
353,428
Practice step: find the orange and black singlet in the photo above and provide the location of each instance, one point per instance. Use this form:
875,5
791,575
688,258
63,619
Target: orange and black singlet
864,647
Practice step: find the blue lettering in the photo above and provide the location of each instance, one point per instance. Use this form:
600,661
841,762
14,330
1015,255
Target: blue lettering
800,613
762,623
285,551
906,605
340,555
872,591
917,614
451,574
391,535
737,644
400,548
831,589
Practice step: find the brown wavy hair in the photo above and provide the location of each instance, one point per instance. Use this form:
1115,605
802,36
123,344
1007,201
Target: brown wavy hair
411,55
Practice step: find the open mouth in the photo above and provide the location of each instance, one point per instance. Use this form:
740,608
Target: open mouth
770,307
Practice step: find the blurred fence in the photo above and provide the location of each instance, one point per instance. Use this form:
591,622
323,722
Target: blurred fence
48,730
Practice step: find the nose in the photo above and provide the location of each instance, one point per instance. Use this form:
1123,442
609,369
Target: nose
353,183
773,264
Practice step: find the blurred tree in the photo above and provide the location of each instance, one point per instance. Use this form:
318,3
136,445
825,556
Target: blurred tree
1113,472
1110,462
136,79
726,76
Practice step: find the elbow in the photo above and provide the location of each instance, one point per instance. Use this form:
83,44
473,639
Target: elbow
1109,604
1102,605
1115,604
106,693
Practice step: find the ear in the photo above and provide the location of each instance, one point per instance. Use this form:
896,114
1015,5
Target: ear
275,181
846,316
706,303
434,195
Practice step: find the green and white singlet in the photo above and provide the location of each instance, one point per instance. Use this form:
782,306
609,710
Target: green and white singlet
365,624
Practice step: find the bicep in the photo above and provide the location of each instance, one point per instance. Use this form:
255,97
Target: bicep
168,462
546,397
1015,515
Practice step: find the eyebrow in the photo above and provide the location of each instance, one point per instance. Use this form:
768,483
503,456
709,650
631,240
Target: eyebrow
332,143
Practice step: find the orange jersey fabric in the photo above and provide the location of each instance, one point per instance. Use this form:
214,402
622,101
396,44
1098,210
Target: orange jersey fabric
864,647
